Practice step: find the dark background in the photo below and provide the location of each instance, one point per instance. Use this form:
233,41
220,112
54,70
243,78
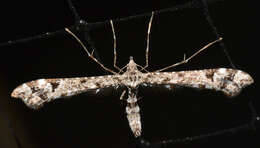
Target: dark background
100,121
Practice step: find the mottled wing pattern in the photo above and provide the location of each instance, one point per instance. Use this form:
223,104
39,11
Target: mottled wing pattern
229,81
35,93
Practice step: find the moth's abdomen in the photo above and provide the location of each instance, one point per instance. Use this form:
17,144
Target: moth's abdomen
134,118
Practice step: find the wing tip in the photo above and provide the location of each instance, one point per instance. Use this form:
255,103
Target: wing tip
32,102
17,93
243,79
14,94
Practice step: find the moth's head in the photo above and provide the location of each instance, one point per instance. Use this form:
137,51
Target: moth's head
131,60
131,66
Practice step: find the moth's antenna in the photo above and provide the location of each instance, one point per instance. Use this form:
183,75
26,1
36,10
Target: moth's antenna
147,41
114,37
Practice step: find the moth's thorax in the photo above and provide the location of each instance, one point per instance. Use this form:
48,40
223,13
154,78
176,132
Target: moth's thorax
132,76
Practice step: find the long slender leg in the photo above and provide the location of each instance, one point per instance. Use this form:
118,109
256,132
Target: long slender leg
186,60
89,54
122,95
147,41
114,37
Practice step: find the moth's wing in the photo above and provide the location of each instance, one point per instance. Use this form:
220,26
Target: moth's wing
229,81
35,93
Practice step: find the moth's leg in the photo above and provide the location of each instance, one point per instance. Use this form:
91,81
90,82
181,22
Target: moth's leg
122,95
147,41
142,68
122,69
89,54
186,60
114,37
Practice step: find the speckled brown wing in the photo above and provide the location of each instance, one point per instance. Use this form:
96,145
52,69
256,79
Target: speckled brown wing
35,93
229,81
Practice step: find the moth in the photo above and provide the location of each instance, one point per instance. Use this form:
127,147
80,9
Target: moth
229,81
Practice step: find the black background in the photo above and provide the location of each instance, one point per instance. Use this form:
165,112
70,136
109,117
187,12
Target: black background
100,121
